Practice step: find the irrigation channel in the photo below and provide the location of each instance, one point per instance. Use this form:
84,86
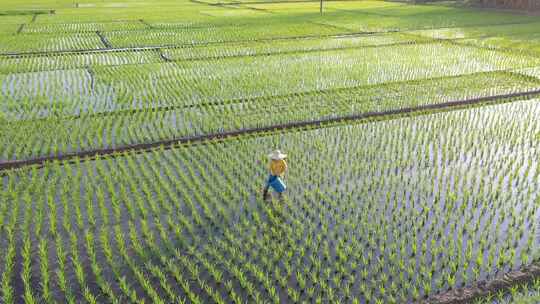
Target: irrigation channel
142,147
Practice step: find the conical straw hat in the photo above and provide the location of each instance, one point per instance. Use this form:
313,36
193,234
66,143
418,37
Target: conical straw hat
277,155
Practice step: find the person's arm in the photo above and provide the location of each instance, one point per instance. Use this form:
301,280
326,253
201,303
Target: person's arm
272,168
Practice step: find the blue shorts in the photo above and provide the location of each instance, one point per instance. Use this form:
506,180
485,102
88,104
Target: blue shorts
276,183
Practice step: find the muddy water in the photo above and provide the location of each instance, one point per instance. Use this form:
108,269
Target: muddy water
368,184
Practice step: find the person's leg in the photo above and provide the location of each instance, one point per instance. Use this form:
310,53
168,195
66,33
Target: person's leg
265,192
281,190
267,188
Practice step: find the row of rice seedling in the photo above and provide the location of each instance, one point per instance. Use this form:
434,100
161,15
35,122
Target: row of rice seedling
531,72
287,46
57,28
52,89
121,124
43,43
528,43
180,24
516,38
503,30
384,212
76,60
194,36
410,18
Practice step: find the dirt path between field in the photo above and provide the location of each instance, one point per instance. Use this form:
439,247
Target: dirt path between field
170,143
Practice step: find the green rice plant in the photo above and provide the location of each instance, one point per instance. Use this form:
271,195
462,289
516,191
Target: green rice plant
156,271
60,272
49,42
44,269
97,270
7,289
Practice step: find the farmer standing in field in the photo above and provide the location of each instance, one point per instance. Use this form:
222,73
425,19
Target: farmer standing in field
278,167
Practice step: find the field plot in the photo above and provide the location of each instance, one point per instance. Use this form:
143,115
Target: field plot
52,42
382,19
30,63
515,38
11,17
175,223
134,139
222,34
48,28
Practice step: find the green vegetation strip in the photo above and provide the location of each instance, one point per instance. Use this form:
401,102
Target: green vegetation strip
15,164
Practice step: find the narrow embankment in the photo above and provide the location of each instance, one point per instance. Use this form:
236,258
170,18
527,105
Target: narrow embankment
142,147
485,288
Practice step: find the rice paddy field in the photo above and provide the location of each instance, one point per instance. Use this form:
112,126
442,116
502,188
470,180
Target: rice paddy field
134,139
